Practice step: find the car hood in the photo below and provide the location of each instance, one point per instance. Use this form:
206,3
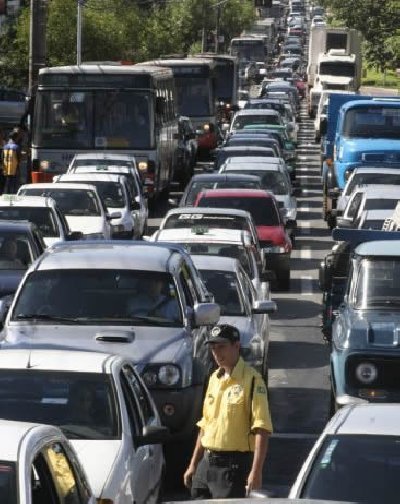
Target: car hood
9,281
89,453
275,234
144,344
86,225
374,329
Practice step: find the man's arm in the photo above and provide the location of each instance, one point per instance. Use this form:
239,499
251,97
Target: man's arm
196,457
254,480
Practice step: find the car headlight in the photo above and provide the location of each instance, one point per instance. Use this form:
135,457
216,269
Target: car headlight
366,372
142,166
163,375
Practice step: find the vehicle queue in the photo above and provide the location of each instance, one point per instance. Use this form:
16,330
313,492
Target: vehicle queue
104,326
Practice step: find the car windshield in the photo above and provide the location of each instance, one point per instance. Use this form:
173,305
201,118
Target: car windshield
372,178
244,120
99,297
8,483
194,96
224,286
101,164
372,122
110,192
223,155
193,220
378,285
263,210
372,224
225,250
15,251
337,69
83,404
381,203
43,217
272,181
349,467
197,187
71,202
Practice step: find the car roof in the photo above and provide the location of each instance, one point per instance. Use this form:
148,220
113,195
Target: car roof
56,360
381,190
95,177
219,177
255,166
104,156
109,255
367,419
254,159
245,148
213,235
380,248
59,185
217,263
256,112
236,193
26,201
16,225
13,433
209,210
376,170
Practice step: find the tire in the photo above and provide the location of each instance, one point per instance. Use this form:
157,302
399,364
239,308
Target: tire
284,280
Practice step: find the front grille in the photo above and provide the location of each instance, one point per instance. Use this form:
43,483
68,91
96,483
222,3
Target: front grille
388,371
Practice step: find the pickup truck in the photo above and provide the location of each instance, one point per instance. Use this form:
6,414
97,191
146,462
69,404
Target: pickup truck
359,130
365,352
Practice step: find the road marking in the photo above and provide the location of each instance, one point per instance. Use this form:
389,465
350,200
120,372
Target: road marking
294,435
305,227
306,281
305,253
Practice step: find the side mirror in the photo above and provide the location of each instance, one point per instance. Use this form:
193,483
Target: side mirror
205,314
173,202
114,215
341,222
135,204
74,236
152,434
263,307
323,126
5,304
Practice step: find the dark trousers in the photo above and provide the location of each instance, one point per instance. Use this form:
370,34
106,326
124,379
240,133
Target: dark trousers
11,184
221,475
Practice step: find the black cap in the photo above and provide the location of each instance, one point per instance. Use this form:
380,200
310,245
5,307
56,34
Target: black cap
223,333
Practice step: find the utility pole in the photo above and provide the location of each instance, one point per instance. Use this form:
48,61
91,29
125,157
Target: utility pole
37,41
81,3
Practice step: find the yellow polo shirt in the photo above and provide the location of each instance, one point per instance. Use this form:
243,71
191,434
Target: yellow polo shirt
227,424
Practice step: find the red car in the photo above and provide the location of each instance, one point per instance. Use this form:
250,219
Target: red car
271,231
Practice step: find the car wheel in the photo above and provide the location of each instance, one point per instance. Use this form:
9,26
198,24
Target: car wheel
284,279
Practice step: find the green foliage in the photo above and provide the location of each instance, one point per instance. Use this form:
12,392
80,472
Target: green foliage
119,29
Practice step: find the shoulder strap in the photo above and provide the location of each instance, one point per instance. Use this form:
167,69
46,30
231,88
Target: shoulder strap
251,407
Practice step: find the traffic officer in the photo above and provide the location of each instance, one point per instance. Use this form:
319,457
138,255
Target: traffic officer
231,446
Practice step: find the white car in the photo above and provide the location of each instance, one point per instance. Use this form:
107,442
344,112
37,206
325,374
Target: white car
115,194
102,406
356,458
43,212
240,305
81,205
39,466
118,164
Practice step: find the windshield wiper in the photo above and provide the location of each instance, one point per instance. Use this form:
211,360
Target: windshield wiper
51,318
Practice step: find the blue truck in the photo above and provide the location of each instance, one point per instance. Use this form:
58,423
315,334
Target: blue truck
359,131
365,346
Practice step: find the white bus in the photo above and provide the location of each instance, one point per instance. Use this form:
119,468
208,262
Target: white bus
107,107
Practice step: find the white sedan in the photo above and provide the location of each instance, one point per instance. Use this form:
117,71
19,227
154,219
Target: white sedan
39,466
84,210
240,306
104,409
356,458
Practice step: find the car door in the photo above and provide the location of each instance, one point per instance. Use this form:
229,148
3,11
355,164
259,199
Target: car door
149,416
139,459
57,478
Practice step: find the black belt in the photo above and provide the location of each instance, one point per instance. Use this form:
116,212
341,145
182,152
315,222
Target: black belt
228,458
227,454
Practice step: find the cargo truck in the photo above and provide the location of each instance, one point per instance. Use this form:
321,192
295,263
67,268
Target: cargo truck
359,130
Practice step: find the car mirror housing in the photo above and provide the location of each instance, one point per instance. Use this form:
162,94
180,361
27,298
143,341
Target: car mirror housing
114,215
206,314
263,307
74,236
152,434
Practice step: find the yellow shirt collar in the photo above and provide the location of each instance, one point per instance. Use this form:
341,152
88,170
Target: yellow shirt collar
237,371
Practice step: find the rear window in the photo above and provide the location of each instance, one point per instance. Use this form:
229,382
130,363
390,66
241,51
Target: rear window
190,220
41,216
263,210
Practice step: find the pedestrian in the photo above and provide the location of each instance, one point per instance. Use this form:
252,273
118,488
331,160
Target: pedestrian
2,143
231,446
11,160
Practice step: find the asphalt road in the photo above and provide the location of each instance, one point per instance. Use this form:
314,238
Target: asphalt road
298,357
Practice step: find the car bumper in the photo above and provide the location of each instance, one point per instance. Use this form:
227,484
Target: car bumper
179,409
